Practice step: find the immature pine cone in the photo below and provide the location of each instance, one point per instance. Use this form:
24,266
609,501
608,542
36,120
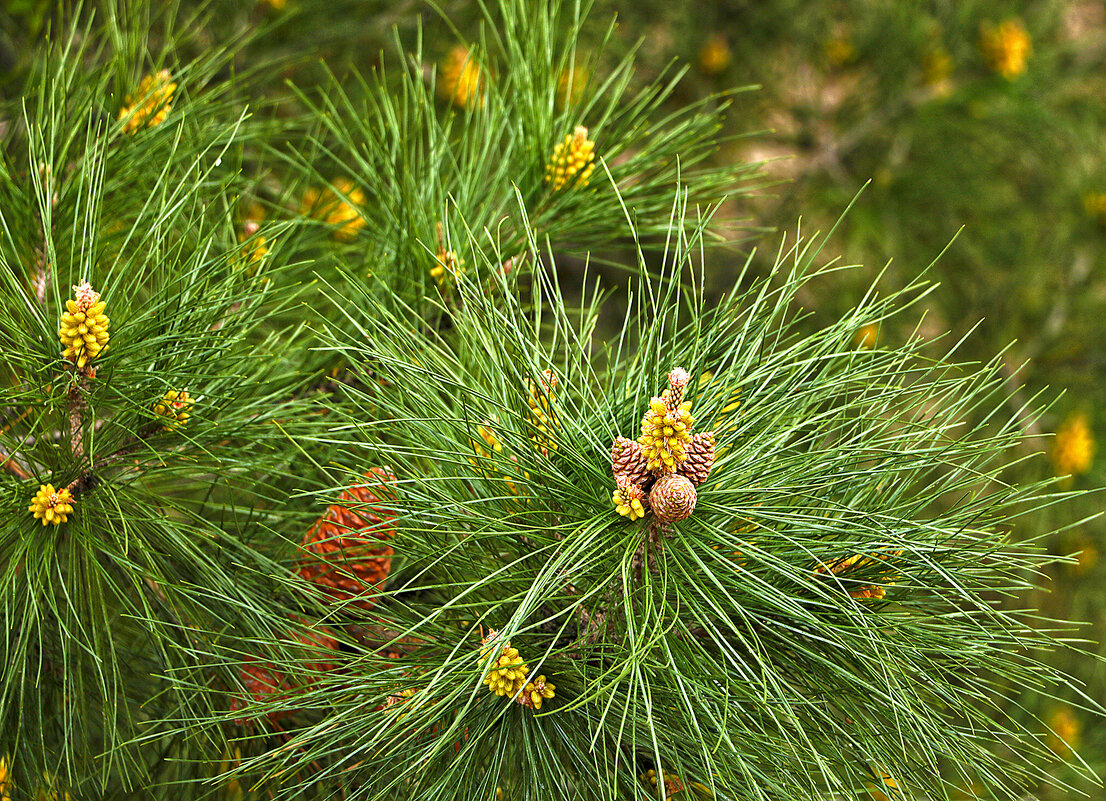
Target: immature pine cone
342,549
508,673
629,500
677,383
260,680
176,407
542,415
536,691
672,499
573,160
628,462
150,103
319,644
330,206
700,458
460,79
84,326
51,506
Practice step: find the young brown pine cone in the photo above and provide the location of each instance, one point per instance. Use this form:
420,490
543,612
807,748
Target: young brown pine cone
672,498
700,458
628,462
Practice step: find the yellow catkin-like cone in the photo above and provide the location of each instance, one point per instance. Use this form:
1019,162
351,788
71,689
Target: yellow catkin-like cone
50,792
855,562
508,673
176,407
255,247
490,440
229,761
937,71
1095,204
840,51
715,55
151,102
573,160
1074,447
542,414
1085,551
51,506
337,205
535,692
448,268
629,501
1066,731
866,337
665,434
673,784
1006,47
5,780
254,251
460,79
888,782
570,85
84,326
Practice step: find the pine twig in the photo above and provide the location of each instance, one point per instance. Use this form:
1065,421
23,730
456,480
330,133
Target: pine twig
76,418
40,279
9,463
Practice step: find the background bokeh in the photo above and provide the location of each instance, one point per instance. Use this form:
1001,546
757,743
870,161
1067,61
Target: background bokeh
969,135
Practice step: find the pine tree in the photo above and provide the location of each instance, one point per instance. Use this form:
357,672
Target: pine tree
321,480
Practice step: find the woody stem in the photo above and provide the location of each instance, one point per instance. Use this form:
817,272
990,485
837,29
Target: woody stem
76,416
12,466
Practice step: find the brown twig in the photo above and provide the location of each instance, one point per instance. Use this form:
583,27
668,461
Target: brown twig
12,466
85,482
40,278
76,419
218,324
651,543
89,479
9,462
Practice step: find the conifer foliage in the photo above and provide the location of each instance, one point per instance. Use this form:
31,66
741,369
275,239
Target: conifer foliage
316,477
